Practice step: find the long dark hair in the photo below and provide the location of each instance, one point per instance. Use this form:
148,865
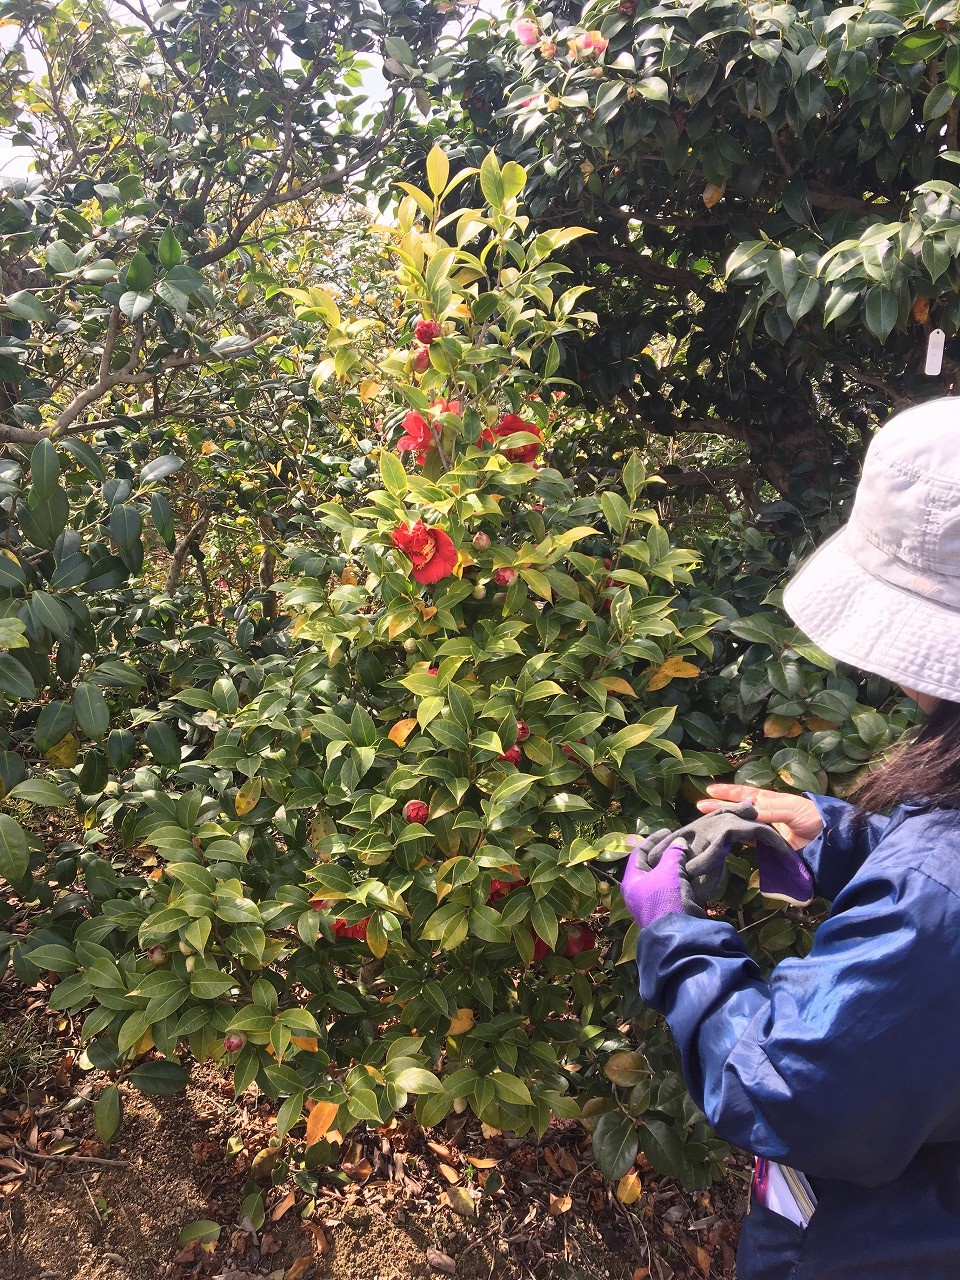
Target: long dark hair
925,768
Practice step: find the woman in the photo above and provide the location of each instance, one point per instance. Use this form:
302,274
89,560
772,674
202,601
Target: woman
845,1065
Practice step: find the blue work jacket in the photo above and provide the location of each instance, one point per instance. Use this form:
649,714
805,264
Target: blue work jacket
846,1063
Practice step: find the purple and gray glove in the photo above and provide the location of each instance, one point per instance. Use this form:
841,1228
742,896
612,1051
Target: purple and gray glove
651,890
783,873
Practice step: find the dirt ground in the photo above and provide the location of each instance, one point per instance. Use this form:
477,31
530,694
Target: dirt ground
72,1208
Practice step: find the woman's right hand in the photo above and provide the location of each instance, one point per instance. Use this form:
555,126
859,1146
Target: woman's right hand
795,817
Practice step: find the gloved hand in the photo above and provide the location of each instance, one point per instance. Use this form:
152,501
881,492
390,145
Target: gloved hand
651,891
783,873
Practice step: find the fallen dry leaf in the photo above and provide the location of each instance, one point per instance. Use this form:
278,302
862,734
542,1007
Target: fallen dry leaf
560,1204
641,1273
320,1241
441,1149
282,1206
298,1269
358,1170
460,1201
629,1188
483,1162
448,1171
437,1260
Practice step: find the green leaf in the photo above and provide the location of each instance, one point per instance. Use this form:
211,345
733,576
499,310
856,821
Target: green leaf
140,273
663,1147
168,250
393,474
203,1229
511,1089
25,306
14,849
60,259
417,1080
15,680
44,469
162,515
91,710
491,181
108,1113
938,101
135,304
159,1076
162,743
53,724
40,791
615,1144
881,311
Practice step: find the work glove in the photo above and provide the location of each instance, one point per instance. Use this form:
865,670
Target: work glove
783,873
654,890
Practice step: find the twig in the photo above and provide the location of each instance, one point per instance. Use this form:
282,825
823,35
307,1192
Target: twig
39,1158
93,1202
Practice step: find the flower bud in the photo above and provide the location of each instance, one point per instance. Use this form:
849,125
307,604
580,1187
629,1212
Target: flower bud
426,331
512,755
233,1042
421,360
416,811
481,540
523,731
505,577
410,645
156,954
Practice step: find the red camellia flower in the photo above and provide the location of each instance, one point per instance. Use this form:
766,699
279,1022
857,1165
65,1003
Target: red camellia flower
523,731
440,406
509,425
429,550
426,331
416,811
433,671
358,931
540,948
512,755
580,938
417,437
503,888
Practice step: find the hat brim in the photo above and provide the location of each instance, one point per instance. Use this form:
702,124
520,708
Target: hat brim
857,618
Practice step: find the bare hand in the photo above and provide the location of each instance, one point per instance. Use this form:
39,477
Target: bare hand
795,817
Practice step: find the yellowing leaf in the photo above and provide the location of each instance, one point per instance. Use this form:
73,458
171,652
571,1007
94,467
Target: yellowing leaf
309,1043
248,796
64,753
781,727
462,1022
625,1068
369,389
348,576
207,447
616,684
818,722
675,668
628,1188
438,170
460,1201
401,731
320,1120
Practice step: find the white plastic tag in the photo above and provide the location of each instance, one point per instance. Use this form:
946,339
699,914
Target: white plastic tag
934,362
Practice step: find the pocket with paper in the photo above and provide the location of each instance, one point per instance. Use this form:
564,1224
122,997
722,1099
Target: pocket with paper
783,1190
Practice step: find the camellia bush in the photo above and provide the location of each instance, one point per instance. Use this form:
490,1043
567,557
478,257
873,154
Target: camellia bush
358,868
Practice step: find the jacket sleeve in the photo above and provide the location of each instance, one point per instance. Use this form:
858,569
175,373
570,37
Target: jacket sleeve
845,1061
841,848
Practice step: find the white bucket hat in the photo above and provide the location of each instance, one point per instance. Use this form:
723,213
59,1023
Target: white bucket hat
884,592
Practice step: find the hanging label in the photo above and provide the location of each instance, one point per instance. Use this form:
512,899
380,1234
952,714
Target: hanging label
934,361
